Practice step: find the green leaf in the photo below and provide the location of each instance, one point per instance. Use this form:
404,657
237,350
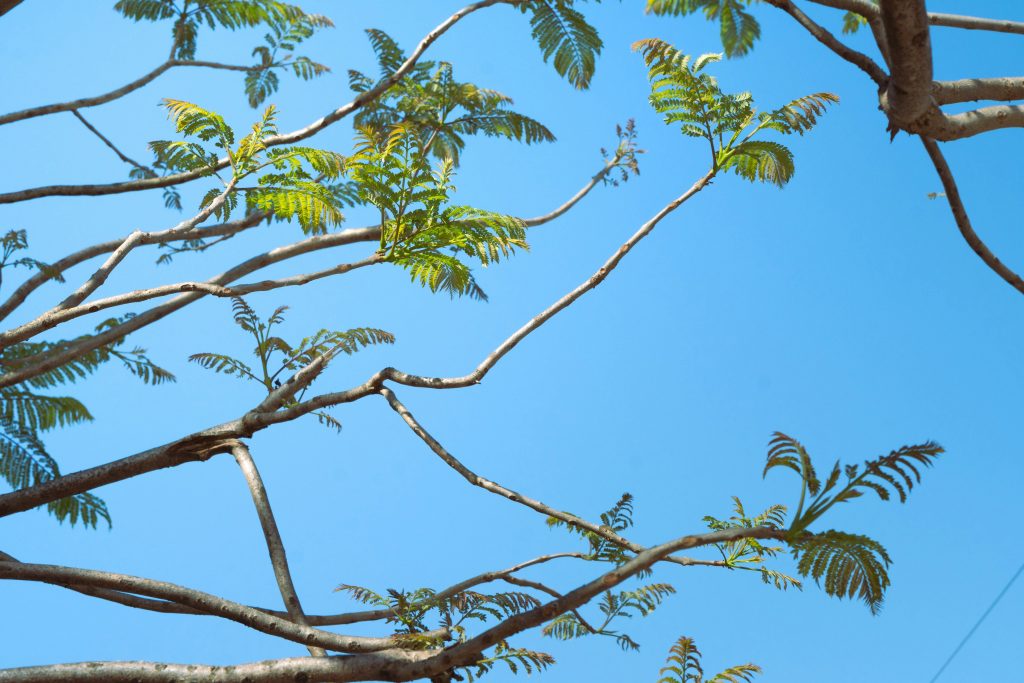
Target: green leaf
565,38
760,160
845,565
738,28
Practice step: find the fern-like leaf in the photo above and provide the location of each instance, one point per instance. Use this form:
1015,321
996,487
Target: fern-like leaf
683,665
845,565
738,28
760,161
565,38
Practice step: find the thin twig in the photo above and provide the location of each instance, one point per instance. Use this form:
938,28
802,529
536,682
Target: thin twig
120,155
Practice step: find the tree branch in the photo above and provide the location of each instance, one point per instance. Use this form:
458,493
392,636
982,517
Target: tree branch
7,5
976,23
210,604
56,317
514,496
103,272
118,93
908,93
120,155
202,445
41,277
866,9
963,221
466,653
275,546
538,586
313,128
973,89
826,38
513,340
391,665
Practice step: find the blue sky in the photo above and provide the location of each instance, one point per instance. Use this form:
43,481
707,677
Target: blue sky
845,310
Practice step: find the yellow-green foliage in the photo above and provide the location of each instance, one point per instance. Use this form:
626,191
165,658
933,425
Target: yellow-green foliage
684,93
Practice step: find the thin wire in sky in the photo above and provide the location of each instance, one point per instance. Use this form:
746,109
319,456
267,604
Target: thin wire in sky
975,627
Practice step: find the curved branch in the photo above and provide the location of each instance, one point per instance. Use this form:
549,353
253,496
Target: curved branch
313,128
76,349
538,586
202,445
466,653
86,101
166,607
56,317
117,93
41,277
211,604
272,535
516,497
963,221
392,665
826,38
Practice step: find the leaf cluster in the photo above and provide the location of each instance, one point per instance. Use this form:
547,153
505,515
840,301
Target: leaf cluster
442,110
289,25
750,553
275,356
410,610
683,665
565,38
616,519
420,230
739,29
288,180
25,414
684,93
626,604
846,565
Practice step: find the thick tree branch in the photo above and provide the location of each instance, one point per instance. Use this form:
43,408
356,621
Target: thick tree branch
7,5
908,94
867,9
976,23
465,653
210,604
973,89
963,221
272,535
313,128
344,618
389,665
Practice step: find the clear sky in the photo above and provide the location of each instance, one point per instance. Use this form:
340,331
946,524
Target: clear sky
845,310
